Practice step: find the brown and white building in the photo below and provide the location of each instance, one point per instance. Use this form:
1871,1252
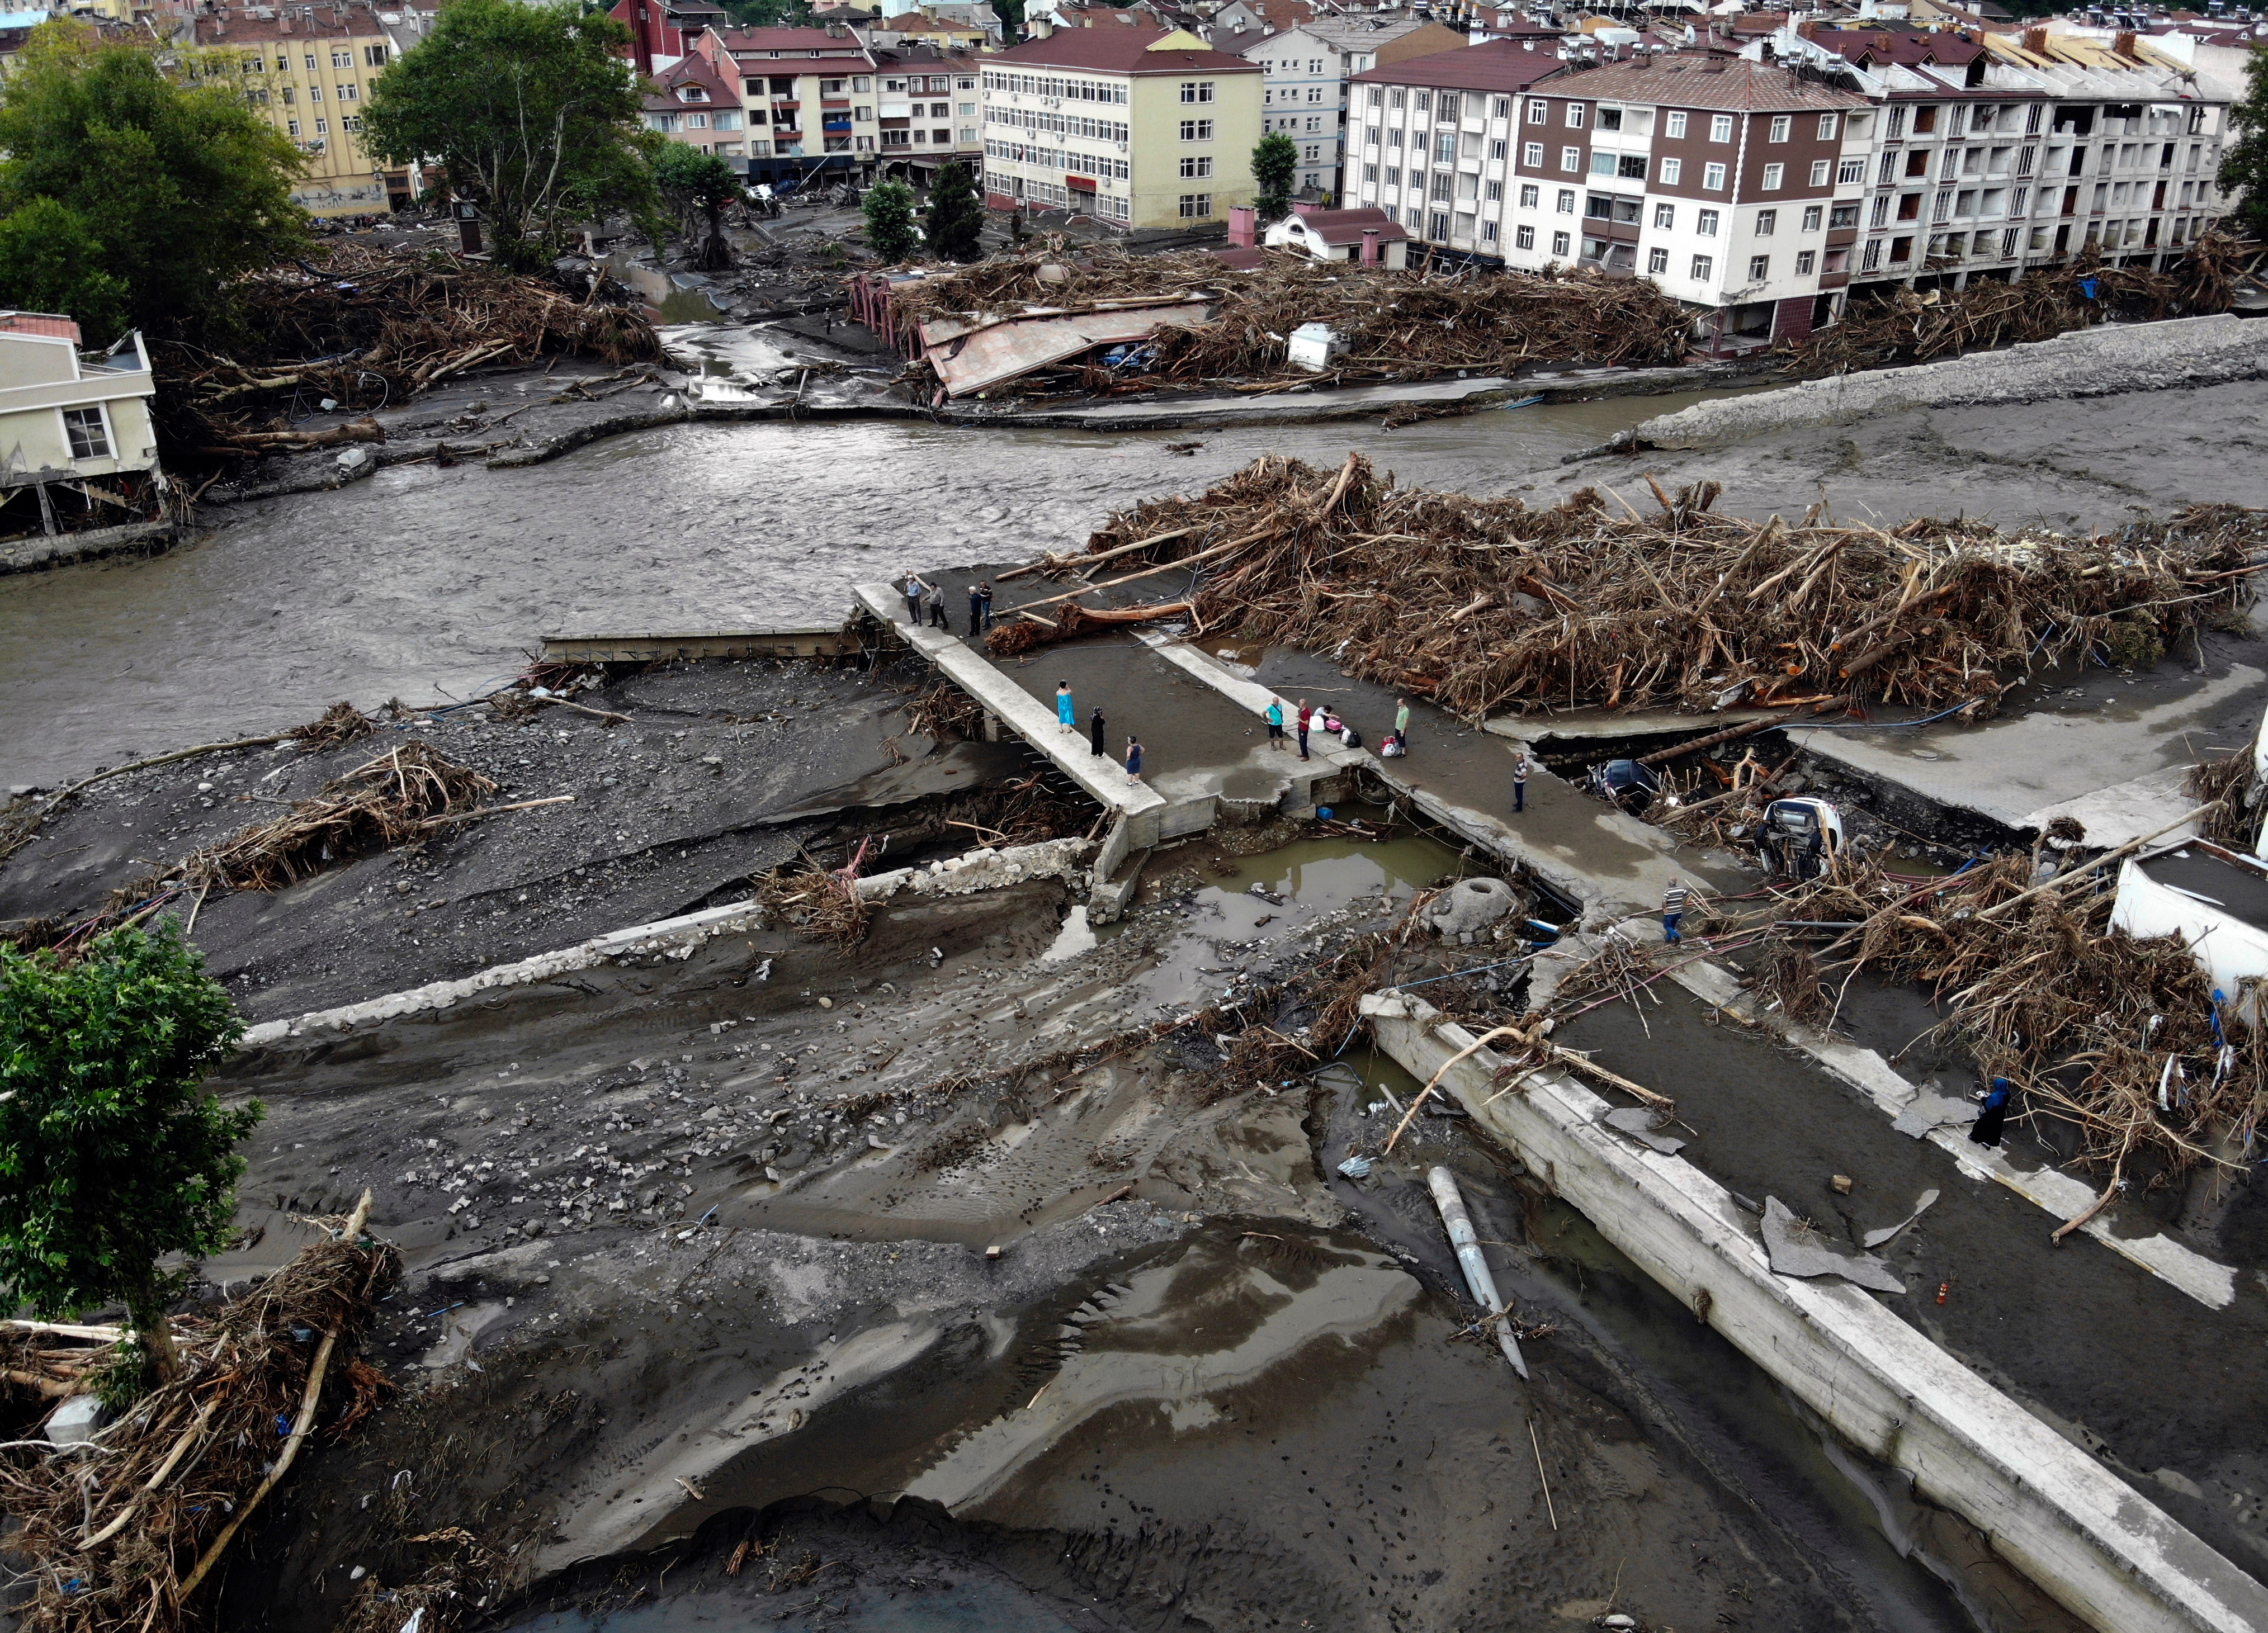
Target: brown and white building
807,97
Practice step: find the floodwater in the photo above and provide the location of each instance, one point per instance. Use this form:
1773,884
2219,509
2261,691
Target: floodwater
422,583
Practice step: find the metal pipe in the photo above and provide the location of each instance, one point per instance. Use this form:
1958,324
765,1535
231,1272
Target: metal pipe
1451,1202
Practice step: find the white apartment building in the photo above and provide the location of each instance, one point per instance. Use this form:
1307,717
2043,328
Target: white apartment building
1305,93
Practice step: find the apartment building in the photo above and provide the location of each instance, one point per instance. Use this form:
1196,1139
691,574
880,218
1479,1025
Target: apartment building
1305,93
307,68
809,100
932,111
689,101
1138,128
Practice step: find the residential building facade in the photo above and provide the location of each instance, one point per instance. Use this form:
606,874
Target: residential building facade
809,100
308,68
1304,95
79,421
1139,128
689,101
932,111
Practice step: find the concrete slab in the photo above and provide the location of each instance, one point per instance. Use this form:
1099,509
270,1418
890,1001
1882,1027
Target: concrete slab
2113,1559
1582,724
1033,721
1290,405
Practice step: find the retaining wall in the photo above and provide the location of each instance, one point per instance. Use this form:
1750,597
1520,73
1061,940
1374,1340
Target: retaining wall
2105,1553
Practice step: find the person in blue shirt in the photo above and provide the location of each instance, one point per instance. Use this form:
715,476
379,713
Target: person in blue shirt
1986,1130
1133,760
1066,711
1275,717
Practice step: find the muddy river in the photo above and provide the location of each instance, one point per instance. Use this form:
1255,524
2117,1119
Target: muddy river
422,582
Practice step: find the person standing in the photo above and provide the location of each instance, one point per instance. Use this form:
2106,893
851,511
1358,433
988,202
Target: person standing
1306,715
1275,716
976,610
984,596
935,600
1986,1129
1402,722
915,590
1673,909
1066,711
1521,765
1095,734
1133,760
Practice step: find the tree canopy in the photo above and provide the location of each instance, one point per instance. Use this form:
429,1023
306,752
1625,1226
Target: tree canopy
769,13
2244,161
113,1152
532,114
1275,163
698,186
128,195
890,230
956,216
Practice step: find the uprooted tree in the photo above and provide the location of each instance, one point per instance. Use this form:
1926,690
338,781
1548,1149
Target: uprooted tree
114,1154
532,114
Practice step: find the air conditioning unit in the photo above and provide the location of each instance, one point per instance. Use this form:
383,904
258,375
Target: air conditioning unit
1122,147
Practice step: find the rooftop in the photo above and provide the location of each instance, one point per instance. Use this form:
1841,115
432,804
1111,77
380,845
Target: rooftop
1123,51
792,41
1337,227
1704,81
50,324
293,22
1494,65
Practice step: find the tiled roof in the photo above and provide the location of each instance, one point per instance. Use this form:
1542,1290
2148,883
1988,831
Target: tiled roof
1494,65
1119,51
801,41
1335,227
39,323
1867,45
1696,82
329,22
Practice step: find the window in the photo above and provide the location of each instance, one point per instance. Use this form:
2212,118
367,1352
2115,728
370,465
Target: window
1524,237
90,437
1531,154
1704,267
1706,224
353,122
1370,136
1767,222
1566,206
1759,269
1774,174
1528,197
1495,192
1501,108
1196,130
291,126
1720,128
1657,260
1713,178
314,93
1665,217
1602,163
1370,172
1488,233
1847,213
1671,169
1571,159
697,121
1496,150
1851,173
1827,127
1630,166
1196,206
1422,103
1441,186
373,56
1610,119
1574,115
1197,91
1819,169
1782,124
1559,243
1448,110
311,61
1925,121
1196,169
1393,175
1538,110
1804,261
1445,147
1437,225
322,127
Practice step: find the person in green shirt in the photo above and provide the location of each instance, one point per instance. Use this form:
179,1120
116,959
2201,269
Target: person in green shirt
1402,722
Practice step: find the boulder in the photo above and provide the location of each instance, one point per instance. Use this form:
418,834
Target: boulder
1468,910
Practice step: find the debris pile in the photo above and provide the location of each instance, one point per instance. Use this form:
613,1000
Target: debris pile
373,325
1405,325
1903,327
120,1530
1486,605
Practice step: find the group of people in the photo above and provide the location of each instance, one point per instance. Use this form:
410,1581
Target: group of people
1067,718
1310,718
925,604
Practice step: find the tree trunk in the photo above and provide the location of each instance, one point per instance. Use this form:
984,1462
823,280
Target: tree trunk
715,253
156,1332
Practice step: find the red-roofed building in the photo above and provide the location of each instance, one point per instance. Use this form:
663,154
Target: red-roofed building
1134,128
690,101
1367,236
808,97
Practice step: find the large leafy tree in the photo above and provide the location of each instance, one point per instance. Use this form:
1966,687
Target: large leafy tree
890,230
956,216
1275,163
698,186
532,114
130,194
2244,161
767,13
113,1155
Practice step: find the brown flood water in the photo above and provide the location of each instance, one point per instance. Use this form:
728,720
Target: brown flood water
422,582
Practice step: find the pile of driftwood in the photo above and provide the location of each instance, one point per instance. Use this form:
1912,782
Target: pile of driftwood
1903,327
1410,325
123,1529
1485,604
373,325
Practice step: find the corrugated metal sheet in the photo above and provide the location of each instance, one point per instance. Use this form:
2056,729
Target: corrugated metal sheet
969,361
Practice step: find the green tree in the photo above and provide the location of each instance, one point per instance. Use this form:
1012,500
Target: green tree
113,1152
956,216
890,230
1010,13
2244,162
128,195
767,13
1275,163
698,186
532,114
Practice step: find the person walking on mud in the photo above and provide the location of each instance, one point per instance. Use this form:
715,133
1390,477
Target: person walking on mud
984,599
1095,734
1133,760
1989,1124
1673,910
1274,715
1307,719
1066,711
916,592
1521,765
976,610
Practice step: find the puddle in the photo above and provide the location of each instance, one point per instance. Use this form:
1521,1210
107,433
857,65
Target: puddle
1076,937
733,356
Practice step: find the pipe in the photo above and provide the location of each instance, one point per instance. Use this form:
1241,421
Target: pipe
1451,1202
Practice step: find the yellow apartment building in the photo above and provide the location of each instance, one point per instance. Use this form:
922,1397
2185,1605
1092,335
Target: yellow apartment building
308,67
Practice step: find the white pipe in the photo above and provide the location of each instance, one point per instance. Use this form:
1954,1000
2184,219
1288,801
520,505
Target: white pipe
1451,1202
